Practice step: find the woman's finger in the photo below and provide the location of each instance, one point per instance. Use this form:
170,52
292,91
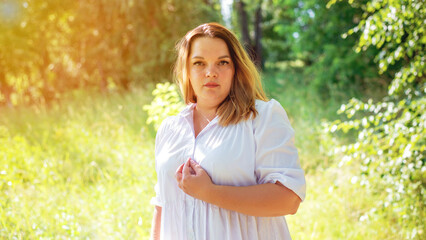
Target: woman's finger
186,168
180,168
196,167
178,173
191,169
178,176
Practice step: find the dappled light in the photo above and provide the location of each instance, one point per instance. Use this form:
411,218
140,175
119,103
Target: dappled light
85,85
58,47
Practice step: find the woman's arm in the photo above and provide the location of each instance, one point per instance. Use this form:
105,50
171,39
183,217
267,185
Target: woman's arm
265,200
156,224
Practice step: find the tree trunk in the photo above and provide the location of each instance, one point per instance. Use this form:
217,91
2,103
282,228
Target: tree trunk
258,60
244,25
254,51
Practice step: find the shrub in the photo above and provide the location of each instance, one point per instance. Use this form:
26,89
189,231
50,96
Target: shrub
166,102
391,133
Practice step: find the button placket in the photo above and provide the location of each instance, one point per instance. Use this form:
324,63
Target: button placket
189,201
190,217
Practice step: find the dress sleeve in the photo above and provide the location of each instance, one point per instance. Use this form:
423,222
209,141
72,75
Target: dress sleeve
159,139
276,155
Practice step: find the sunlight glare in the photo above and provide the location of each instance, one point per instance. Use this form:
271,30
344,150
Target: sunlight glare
9,11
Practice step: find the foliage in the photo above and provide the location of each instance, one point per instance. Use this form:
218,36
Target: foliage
391,133
166,102
50,47
84,169
309,32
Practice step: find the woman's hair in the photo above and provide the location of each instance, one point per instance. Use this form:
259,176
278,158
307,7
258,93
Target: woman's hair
246,86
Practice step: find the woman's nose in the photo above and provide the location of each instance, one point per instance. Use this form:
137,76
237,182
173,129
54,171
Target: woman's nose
211,72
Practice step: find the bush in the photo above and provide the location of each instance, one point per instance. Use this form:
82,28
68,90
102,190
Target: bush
166,102
391,133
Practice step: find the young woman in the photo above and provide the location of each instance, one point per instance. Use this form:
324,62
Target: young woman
227,166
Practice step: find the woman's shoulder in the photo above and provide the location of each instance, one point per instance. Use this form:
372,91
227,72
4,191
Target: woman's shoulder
262,104
270,112
268,107
175,121
167,122
168,126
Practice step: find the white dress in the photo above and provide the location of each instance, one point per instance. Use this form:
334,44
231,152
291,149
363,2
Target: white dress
255,151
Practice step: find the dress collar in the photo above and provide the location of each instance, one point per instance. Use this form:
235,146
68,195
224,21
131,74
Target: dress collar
188,111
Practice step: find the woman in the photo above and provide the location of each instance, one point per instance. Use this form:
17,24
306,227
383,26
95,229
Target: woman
226,165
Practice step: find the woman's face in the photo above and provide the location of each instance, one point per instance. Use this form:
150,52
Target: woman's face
211,70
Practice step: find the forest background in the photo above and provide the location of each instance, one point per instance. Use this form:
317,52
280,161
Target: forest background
84,85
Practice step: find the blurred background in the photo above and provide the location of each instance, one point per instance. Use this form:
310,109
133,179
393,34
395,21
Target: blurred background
85,84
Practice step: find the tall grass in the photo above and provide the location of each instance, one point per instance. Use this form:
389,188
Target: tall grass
84,169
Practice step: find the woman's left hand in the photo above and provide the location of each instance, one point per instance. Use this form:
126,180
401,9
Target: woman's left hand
193,179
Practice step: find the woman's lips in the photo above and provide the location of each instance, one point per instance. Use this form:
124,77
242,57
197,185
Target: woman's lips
211,85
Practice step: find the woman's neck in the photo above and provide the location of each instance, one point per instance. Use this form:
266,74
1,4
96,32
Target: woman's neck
202,117
208,112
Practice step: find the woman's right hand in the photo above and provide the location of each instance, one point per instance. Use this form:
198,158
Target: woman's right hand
193,179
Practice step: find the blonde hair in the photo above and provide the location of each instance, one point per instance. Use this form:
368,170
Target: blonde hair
246,87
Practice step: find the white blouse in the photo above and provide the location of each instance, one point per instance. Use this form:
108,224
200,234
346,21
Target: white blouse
255,151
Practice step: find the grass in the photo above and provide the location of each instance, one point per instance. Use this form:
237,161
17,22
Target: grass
84,169
81,169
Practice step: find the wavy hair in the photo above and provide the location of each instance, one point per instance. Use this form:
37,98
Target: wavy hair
246,86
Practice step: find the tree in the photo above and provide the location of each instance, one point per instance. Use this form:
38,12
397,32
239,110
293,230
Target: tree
311,33
50,47
391,133
253,45
28,45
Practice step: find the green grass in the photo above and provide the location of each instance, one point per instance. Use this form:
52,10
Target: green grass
81,169
84,169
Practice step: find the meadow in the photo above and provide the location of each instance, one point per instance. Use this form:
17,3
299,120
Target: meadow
83,168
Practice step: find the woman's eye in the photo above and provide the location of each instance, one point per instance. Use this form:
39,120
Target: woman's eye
223,62
197,63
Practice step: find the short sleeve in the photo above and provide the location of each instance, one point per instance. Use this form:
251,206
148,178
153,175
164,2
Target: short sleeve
157,199
159,139
276,155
